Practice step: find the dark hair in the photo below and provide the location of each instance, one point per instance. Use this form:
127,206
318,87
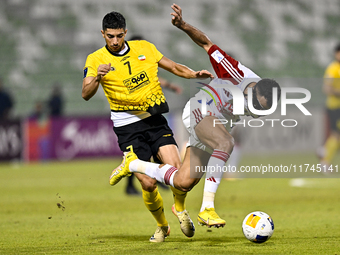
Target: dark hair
337,48
114,20
265,88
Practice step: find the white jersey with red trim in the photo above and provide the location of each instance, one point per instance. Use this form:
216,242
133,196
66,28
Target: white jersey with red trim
229,71
218,102
219,99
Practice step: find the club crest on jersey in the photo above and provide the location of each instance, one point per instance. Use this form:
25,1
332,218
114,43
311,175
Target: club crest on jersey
141,57
85,72
112,68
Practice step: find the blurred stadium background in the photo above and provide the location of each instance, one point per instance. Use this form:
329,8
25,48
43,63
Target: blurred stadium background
47,41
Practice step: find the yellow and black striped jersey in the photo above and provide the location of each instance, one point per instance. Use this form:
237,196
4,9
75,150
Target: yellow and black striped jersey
132,84
333,72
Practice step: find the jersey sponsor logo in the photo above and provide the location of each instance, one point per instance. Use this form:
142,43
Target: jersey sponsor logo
124,58
141,57
136,82
85,72
217,55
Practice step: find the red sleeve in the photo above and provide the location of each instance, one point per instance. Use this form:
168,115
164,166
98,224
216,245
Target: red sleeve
224,65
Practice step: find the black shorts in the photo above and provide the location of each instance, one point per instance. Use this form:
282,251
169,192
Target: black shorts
146,136
334,119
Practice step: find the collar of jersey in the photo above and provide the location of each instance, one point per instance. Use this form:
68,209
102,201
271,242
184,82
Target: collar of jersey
117,54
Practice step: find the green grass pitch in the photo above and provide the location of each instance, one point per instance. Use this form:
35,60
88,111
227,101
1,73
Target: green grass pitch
70,208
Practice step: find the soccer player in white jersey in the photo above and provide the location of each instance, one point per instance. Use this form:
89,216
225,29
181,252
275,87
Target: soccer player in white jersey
210,144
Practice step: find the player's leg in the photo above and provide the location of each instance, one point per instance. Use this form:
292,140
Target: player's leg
169,154
179,178
187,178
188,175
164,147
333,141
151,196
331,147
165,150
153,199
236,155
154,202
132,141
218,138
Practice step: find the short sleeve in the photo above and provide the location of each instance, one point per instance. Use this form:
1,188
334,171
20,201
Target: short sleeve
331,71
90,69
157,54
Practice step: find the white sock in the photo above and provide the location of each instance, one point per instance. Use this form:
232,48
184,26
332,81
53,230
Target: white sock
164,174
208,200
213,178
140,166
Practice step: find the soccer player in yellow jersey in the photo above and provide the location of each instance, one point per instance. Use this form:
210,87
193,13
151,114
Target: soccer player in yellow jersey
331,88
130,188
127,72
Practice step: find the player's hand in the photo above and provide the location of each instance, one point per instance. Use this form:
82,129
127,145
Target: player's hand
204,74
103,70
177,19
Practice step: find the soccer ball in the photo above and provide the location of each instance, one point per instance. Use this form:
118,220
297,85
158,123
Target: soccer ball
258,227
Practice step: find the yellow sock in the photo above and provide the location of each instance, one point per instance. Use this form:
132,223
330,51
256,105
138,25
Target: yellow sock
154,203
331,146
179,198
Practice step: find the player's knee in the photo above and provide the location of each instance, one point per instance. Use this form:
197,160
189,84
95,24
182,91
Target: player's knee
148,184
184,189
186,185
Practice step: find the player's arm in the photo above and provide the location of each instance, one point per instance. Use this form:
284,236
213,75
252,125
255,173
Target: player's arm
195,34
328,89
182,70
91,84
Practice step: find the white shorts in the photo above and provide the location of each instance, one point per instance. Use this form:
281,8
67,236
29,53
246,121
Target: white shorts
191,116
